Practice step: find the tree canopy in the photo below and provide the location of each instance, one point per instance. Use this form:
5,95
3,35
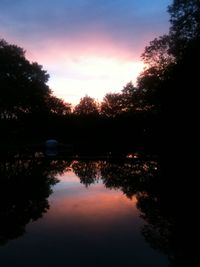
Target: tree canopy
185,24
111,105
23,87
86,106
129,100
168,58
58,106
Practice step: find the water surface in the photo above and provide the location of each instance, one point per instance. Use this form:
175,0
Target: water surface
76,213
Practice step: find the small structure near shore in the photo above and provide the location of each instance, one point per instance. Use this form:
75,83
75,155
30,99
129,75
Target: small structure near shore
51,143
51,147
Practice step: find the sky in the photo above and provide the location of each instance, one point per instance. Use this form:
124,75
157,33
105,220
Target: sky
88,47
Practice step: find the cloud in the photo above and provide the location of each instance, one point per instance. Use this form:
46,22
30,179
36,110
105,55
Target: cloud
125,22
68,36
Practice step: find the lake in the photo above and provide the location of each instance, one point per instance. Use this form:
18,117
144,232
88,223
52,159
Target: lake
75,212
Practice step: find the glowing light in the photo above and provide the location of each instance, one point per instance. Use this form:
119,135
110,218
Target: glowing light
94,76
132,156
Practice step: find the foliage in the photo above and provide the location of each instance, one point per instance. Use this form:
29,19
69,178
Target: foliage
86,106
111,105
57,106
157,55
167,57
25,186
129,100
133,98
23,84
185,24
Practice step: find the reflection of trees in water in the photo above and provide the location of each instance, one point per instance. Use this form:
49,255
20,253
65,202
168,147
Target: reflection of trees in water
143,179
25,186
88,172
160,224
129,177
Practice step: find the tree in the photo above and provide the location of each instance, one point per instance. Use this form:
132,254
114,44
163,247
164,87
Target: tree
167,57
111,105
23,87
151,83
58,106
86,106
159,61
157,54
132,98
171,76
185,24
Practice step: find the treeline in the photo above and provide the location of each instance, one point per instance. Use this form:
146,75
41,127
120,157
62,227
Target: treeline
161,105
30,113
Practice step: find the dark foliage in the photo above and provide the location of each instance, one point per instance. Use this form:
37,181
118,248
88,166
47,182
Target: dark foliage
25,185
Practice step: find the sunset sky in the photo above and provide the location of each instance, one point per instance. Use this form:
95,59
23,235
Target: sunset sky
87,46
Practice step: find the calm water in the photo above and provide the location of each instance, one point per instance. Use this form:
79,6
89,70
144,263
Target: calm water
79,213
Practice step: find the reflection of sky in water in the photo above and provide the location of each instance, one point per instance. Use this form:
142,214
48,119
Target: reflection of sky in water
67,180
70,180
91,226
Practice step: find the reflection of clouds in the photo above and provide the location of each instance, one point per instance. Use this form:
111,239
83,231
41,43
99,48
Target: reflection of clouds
66,181
93,204
68,177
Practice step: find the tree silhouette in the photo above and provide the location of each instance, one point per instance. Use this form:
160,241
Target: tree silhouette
58,106
169,57
23,84
157,55
159,61
86,106
129,100
111,105
133,98
185,24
